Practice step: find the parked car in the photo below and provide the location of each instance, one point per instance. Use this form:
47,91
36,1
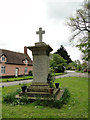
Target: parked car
88,70
84,70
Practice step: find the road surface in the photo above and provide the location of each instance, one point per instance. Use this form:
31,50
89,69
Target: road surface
73,74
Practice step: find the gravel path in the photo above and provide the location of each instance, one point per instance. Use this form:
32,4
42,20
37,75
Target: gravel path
69,74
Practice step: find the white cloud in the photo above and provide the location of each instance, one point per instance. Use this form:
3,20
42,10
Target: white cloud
20,19
59,1
59,10
73,52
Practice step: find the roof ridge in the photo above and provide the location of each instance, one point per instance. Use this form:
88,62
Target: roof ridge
15,57
11,51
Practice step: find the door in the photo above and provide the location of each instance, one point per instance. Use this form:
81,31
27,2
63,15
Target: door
17,72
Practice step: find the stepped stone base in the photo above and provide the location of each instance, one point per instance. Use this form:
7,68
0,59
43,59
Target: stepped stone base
50,97
38,87
42,91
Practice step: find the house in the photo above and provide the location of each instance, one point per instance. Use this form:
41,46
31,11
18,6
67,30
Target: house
14,63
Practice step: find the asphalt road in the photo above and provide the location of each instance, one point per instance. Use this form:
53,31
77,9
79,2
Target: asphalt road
15,82
73,74
69,74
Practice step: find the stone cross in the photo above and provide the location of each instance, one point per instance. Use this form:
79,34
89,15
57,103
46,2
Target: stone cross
40,32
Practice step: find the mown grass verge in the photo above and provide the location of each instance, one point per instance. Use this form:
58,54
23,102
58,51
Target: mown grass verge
16,79
81,71
57,74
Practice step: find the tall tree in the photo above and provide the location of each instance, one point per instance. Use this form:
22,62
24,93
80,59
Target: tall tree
80,27
57,63
63,53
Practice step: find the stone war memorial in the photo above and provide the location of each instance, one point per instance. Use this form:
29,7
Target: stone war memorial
40,87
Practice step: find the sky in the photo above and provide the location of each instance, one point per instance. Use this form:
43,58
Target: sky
20,19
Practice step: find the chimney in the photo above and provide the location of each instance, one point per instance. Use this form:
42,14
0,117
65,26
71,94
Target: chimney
25,50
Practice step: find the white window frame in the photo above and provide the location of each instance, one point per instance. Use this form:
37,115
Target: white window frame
25,70
26,61
3,70
3,58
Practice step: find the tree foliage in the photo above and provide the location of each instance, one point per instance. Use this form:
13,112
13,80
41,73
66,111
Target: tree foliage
72,66
63,53
77,65
57,63
80,27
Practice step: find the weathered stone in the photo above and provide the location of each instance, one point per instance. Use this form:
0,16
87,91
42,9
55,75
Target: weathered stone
40,62
40,32
43,94
57,94
39,87
40,44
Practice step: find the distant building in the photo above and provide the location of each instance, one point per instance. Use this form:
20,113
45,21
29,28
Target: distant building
14,63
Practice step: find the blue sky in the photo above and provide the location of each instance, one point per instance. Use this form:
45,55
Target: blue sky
20,19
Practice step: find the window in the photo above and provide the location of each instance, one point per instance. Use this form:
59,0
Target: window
25,70
26,61
3,58
2,69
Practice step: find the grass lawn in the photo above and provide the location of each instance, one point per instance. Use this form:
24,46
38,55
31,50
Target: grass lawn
56,74
81,71
77,106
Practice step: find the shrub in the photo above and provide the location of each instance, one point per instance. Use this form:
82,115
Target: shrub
50,80
18,90
24,99
38,101
55,103
51,84
65,97
61,68
10,97
30,73
79,67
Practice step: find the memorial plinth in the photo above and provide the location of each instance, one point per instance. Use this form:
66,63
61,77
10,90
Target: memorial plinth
40,54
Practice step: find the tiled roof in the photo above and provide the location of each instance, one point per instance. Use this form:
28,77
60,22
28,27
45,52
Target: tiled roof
15,57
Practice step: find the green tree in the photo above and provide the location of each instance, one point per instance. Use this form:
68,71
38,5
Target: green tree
79,67
63,53
72,66
75,65
80,28
57,63
85,65
77,62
